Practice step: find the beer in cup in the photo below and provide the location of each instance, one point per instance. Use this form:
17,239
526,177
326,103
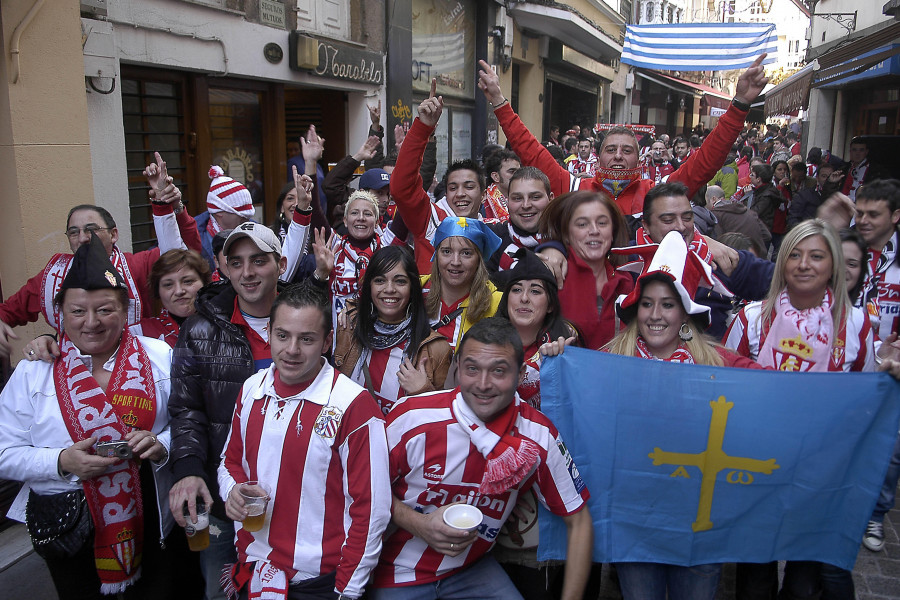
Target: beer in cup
463,516
197,533
256,498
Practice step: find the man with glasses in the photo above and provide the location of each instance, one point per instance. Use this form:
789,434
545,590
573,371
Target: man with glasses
36,296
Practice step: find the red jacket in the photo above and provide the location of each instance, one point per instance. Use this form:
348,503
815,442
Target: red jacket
578,299
698,168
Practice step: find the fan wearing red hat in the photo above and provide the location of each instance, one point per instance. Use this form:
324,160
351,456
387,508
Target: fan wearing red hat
664,323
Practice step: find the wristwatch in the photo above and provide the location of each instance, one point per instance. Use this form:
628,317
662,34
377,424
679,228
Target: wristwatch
744,106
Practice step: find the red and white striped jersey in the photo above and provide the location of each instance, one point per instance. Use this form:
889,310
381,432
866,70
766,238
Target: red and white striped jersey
324,455
854,353
383,367
434,463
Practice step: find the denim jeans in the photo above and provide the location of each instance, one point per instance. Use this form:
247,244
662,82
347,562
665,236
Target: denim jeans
651,581
484,580
889,489
221,552
803,580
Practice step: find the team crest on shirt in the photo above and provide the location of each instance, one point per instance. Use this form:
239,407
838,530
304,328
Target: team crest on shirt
328,421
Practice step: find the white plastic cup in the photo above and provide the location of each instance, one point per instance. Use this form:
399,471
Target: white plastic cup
464,517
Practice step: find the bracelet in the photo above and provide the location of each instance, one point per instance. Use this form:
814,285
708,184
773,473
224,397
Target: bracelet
499,104
744,106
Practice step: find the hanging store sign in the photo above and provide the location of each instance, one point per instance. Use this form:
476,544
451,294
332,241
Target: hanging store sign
337,61
271,13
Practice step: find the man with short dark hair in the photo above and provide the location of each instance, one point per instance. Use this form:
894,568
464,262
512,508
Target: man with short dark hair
765,199
317,440
806,201
585,160
499,168
793,143
479,444
877,219
219,347
859,170
655,165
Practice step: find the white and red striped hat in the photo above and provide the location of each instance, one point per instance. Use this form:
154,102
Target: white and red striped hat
670,261
227,195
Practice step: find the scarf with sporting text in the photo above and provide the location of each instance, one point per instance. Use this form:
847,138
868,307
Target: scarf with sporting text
113,498
509,458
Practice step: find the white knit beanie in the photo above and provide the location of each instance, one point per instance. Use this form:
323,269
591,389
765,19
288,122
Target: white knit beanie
227,195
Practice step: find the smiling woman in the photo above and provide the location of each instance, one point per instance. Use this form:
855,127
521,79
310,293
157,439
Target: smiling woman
387,346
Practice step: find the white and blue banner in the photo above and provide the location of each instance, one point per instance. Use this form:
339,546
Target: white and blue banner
699,46
689,464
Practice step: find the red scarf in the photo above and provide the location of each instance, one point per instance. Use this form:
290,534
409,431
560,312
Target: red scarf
509,458
163,327
114,498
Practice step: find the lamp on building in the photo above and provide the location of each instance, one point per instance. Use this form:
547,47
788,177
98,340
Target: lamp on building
304,51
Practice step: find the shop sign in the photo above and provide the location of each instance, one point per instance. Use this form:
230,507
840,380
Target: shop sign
340,61
717,112
271,13
790,98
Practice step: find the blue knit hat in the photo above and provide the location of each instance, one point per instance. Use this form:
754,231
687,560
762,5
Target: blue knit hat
473,230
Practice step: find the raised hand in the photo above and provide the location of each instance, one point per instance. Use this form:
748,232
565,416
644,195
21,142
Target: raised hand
489,83
312,146
368,149
399,136
156,173
751,82
304,185
375,114
322,249
431,108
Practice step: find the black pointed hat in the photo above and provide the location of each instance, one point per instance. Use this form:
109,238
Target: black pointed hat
91,269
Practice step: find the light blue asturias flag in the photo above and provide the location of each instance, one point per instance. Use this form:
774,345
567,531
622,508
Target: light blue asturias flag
690,464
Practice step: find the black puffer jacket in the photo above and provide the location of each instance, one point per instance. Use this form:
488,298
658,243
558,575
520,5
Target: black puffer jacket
212,359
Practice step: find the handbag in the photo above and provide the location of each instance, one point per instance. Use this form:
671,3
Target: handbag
59,524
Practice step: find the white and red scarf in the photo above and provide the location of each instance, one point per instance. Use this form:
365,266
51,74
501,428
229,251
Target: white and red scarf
698,244
350,264
681,354
163,327
509,458
267,582
494,203
802,340
114,498
56,272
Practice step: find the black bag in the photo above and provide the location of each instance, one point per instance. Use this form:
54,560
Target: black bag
59,524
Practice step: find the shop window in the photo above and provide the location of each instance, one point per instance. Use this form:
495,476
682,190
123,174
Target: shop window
236,137
443,47
154,121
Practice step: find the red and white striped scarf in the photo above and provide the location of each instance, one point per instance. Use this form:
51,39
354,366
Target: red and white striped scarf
55,273
114,498
681,354
698,244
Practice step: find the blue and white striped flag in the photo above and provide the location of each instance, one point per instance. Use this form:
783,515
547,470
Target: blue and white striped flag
699,46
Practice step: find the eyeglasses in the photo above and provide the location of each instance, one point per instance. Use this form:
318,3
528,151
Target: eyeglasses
75,232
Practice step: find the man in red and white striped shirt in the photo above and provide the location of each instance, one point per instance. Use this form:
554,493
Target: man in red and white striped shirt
481,445
316,440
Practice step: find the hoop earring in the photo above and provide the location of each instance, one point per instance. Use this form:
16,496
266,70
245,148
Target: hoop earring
685,333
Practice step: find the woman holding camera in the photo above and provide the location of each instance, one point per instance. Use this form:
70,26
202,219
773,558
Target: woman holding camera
88,435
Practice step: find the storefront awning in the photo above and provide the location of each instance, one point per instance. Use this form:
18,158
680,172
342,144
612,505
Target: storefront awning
875,63
711,98
569,27
792,94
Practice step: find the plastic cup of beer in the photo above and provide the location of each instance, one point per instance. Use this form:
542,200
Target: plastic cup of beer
197,533
463,516
256,499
